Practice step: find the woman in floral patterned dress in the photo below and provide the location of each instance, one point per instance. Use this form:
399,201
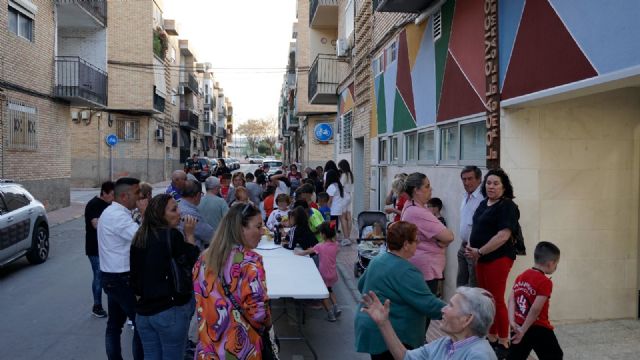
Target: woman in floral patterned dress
224,332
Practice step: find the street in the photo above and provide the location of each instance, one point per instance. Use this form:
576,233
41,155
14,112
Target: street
46,308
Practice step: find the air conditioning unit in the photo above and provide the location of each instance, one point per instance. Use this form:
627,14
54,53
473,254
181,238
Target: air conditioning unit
342,47
180,90
159,134
74,116
84,115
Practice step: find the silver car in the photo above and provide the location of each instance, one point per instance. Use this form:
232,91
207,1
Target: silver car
24,228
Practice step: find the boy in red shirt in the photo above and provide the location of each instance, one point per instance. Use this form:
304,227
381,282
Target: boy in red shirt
529,308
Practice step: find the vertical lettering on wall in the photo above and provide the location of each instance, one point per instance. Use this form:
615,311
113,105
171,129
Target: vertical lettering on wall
492,95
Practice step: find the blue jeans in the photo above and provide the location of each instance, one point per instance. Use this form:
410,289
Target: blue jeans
96,285
164,335
121,305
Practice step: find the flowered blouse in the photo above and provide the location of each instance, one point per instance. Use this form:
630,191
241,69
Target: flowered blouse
223,332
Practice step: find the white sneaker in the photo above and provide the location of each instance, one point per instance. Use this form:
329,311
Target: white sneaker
345,242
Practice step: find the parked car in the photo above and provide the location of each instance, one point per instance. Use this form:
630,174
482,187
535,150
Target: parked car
232,164
255,159
236,163
204,165
24,227
274,165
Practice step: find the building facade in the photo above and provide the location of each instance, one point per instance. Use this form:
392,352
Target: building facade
543,89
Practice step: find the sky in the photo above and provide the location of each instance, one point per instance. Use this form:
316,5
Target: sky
246,41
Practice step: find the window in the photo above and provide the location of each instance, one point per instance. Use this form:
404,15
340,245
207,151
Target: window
449,144
410,147
391,53
174,138
378,65
20,23
345,136
383,151
473,141
349,18
15,198
426,147
22,125
128,130
394,149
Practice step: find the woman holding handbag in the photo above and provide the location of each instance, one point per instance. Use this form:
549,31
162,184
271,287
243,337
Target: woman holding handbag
231,293
161,261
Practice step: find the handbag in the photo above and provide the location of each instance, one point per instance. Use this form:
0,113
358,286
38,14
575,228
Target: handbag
269,348
180,275
518,241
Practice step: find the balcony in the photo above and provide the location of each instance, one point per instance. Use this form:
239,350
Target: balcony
323,13
323,80
209,129
82,13
292,122
189,119
222,132
190,83
208,102
79,82
403,6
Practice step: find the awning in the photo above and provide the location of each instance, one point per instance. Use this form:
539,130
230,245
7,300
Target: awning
159,80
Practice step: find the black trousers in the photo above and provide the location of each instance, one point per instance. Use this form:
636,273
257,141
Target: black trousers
539,339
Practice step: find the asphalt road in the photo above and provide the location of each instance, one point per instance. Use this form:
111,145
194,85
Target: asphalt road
45,309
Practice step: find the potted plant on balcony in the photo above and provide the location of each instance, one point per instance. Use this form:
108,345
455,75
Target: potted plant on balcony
160,43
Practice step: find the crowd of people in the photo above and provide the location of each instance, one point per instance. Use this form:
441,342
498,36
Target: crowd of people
181,266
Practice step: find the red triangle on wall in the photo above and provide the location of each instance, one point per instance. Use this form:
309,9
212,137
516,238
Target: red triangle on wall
544,54
458,96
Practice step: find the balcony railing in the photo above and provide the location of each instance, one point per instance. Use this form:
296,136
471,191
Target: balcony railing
323,80
323,13
96,8
190,83
292,122
209,102
405,6
189,119
222,132
80,82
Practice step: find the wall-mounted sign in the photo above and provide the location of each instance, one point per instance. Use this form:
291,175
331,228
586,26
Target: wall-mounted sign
492,95
323,132
111,140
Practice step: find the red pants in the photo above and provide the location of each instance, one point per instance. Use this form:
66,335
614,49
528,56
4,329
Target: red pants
492,276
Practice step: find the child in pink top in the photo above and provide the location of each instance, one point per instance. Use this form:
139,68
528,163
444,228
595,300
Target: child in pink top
327,251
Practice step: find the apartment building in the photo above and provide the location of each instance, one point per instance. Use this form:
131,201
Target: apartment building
209,110
222,114
314,99
34,101
228,126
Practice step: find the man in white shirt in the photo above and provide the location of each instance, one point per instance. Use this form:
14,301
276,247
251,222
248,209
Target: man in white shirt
278,181
471,177
116,229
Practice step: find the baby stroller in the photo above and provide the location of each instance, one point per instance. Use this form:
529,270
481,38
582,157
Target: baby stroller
367,249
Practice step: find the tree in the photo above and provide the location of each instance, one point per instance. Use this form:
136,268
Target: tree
256,131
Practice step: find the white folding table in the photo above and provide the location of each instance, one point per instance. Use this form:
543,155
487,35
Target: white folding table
291,276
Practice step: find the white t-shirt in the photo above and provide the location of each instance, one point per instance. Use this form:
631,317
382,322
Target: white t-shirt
281,189
347,184
336,203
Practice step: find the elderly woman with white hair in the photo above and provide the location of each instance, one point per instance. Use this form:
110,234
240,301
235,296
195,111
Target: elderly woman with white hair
466,321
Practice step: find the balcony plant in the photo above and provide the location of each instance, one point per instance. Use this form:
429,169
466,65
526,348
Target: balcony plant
160,43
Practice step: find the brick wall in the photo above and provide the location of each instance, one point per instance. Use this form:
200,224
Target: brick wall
45,170
130,39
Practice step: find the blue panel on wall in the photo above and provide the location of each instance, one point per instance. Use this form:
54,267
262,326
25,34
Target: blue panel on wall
509,15
606,31
423,78
390,75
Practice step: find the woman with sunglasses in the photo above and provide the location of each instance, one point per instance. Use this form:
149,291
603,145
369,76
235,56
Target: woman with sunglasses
391,276
230,289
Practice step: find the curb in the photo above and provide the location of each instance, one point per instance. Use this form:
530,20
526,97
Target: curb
351,285
52,225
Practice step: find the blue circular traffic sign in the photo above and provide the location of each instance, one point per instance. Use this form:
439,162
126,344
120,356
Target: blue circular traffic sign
323,132
111,139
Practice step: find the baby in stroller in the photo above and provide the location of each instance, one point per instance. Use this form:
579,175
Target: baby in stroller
371,240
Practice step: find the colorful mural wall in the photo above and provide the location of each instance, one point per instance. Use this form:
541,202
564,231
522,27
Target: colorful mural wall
419,81
429,80
546,43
